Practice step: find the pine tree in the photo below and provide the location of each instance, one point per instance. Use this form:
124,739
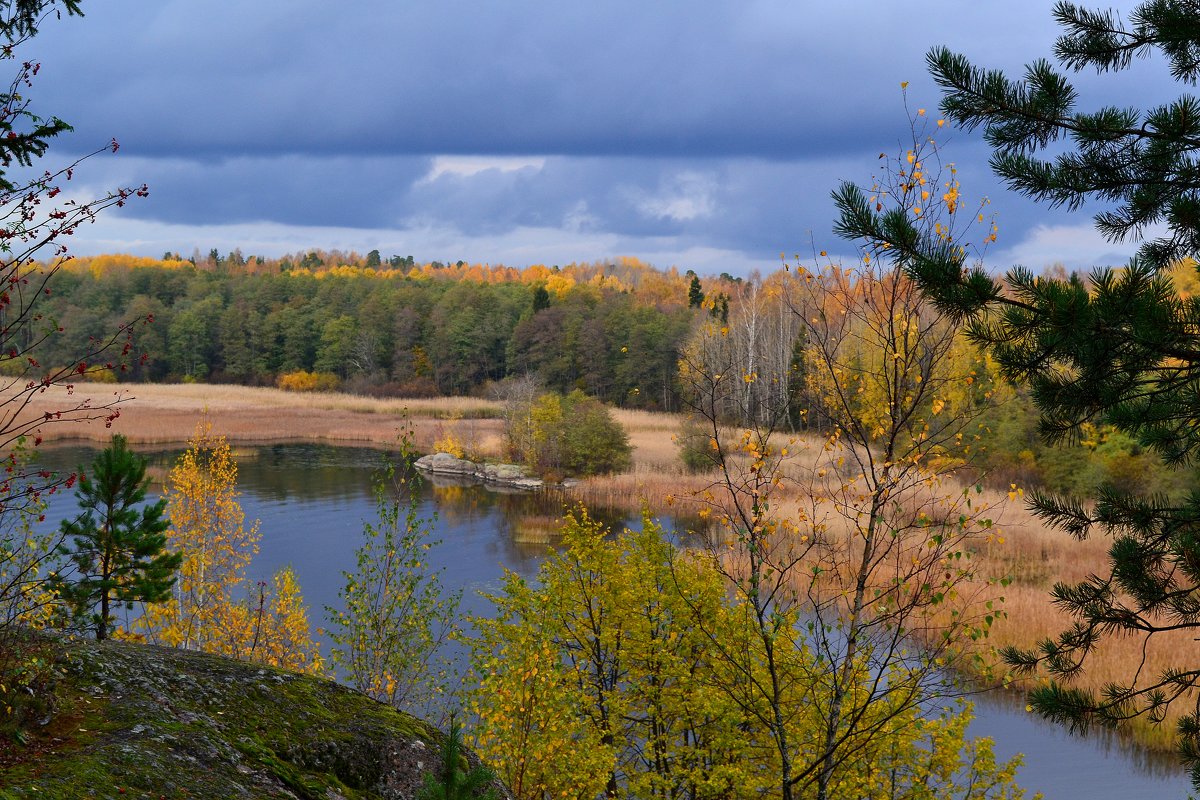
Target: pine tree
1121,348
695,293
118,543
451,782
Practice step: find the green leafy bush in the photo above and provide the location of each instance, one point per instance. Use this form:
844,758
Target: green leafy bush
696,447
557,436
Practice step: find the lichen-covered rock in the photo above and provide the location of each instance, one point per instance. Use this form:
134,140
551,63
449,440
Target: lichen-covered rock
161,723
503,472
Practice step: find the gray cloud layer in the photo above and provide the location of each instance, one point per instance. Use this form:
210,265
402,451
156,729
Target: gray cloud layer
672,126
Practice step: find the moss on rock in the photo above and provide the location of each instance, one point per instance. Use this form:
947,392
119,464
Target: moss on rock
161,723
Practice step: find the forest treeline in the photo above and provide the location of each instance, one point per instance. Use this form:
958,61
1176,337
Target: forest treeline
620,331
613,330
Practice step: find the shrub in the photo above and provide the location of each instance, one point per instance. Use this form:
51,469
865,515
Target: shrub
13,367
696,447
593,443
101,375
414,388
301,381
448,440
573,435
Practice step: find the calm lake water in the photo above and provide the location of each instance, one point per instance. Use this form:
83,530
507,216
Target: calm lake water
312,501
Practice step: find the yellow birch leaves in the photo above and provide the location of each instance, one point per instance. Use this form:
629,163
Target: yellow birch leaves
598,678
212,609
629,669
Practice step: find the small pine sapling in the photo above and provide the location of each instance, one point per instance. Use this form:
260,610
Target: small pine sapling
451,782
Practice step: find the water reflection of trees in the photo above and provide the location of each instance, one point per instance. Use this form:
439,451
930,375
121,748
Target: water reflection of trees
528,522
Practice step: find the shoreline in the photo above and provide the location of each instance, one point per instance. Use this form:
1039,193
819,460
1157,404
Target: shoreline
165,415
162,416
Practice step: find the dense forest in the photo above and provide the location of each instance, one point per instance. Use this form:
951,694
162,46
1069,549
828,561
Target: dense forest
613,330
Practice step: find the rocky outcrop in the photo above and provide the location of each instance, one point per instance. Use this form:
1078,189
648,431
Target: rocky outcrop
144,721
509,475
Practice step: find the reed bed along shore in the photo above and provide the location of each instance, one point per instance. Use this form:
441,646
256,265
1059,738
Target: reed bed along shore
1021,549
162,414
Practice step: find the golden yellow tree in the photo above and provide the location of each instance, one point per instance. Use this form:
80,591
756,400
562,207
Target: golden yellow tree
596,681
271,627
208,527
629,669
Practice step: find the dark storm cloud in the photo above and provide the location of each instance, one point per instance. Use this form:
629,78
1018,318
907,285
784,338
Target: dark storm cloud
680,126
317,191
772,80
755,205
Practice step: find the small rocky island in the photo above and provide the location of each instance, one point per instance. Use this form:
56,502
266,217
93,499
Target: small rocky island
141,721
508,475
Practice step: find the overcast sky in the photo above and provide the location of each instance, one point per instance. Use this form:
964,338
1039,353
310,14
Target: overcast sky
700,134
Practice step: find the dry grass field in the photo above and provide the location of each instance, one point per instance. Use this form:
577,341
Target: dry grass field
168,413
1024,550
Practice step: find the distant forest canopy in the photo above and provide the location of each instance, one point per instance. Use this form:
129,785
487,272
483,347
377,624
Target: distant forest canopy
392,327
622,331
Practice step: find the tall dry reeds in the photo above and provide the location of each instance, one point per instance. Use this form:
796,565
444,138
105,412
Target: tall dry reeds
1016,562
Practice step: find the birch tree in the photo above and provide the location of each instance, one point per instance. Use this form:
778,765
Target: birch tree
395,615
208,527
629,670
872,550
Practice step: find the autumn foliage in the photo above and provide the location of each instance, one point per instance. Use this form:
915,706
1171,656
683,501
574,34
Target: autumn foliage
574,435
302,381
213,608
629,669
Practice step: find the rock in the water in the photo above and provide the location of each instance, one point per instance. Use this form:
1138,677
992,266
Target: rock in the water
157,722
511,475
446,463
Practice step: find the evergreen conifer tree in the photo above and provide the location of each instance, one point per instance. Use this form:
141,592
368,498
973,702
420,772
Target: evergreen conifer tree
451,782
1121,348
118,543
